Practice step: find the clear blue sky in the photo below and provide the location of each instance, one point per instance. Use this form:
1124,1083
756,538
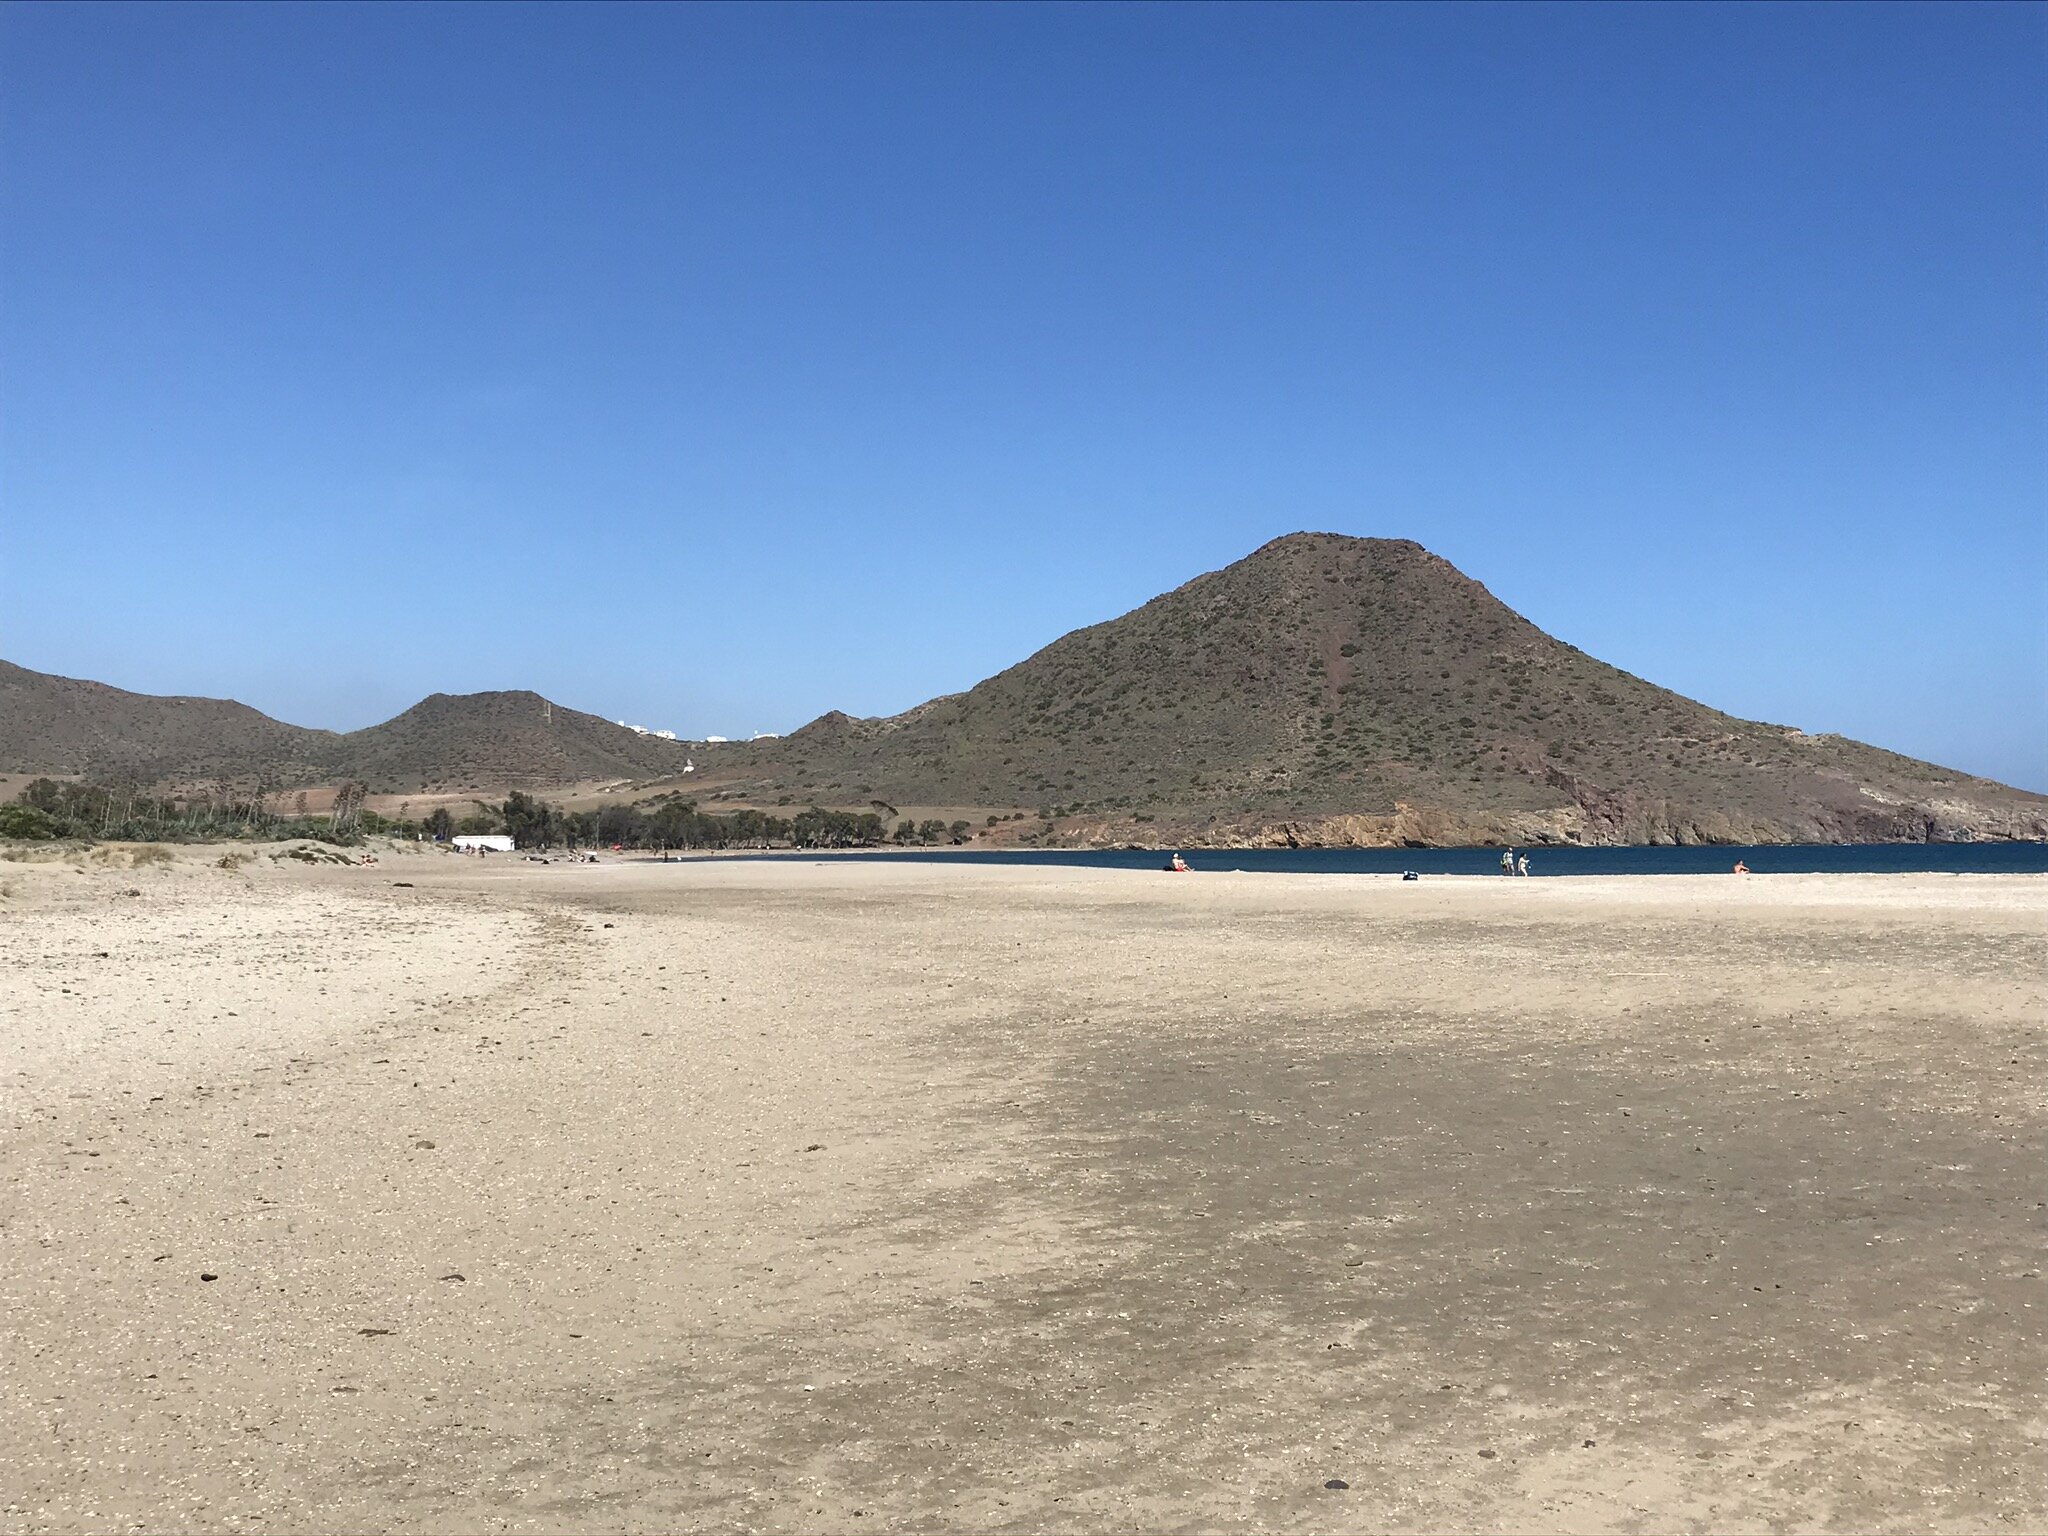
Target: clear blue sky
715,367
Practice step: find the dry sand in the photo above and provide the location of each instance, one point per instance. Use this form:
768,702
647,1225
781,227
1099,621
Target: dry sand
833,1196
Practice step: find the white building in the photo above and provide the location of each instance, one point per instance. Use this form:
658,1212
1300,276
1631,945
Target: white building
483,842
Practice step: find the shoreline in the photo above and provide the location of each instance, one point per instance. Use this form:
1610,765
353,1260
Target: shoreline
1394,862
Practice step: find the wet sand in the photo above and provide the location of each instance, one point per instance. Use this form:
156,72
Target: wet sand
830,1196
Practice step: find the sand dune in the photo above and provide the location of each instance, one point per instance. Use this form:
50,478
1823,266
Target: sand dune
828,1196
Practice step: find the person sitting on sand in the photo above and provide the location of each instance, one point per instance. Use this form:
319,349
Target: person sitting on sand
1177,865
1741,868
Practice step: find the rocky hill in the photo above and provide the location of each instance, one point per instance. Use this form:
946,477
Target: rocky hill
65,725
489,741
484,741
1338,690
1323,690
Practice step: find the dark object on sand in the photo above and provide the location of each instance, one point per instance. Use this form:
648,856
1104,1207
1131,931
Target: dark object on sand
1409,874
1336,1482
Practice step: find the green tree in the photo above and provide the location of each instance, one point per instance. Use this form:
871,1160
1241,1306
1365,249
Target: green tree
25,821
624,825
532,823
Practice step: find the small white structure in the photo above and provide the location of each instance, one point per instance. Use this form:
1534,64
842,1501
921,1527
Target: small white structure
714,740
483,842
666,735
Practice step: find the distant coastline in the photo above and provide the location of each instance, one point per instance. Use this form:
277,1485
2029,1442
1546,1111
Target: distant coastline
2010,857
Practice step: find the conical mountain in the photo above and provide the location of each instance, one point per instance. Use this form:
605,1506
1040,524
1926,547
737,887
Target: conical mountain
1322,690
1334,689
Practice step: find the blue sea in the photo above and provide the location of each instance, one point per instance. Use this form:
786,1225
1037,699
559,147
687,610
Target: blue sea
1783,859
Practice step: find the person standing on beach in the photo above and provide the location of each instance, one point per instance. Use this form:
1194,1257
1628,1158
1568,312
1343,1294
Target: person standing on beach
1507,862
1522,868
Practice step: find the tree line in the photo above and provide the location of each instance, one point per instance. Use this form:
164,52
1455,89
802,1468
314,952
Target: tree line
50,808
535,823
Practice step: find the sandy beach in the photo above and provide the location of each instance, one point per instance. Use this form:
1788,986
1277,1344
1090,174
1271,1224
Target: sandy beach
800,1195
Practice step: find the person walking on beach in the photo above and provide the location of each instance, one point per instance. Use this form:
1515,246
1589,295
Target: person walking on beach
1522,867
1507,862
